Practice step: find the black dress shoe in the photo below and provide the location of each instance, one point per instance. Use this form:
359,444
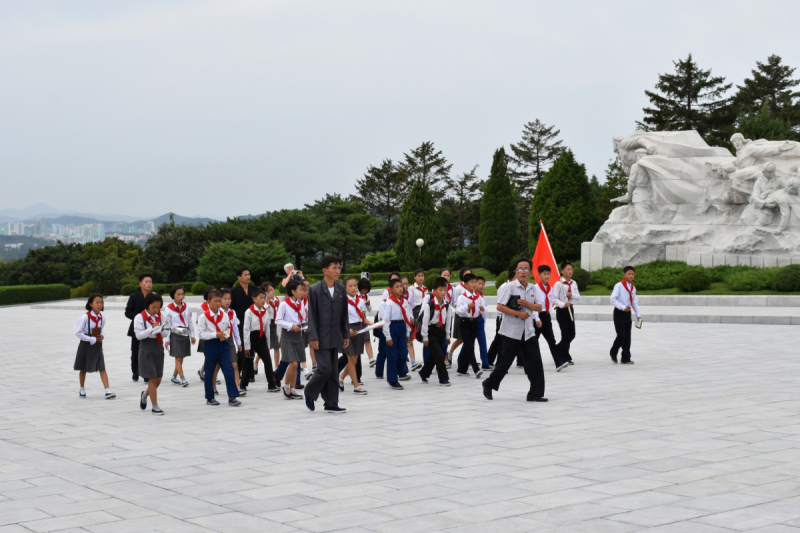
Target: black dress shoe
536,399
627,362
299,386
613,356
487,392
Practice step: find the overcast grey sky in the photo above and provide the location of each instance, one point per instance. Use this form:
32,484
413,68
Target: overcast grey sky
235,107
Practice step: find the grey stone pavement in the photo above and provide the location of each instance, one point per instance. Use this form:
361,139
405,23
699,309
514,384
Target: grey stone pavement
701,435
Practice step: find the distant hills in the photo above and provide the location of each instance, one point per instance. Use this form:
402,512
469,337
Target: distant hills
50,215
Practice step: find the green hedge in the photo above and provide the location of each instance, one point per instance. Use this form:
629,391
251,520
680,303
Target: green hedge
787,279
25,294
129,289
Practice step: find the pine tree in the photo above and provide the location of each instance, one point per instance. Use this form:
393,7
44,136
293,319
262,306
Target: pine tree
772,83
531,158
383,190
498,228
764,125
419,220
564,203
427,165
689,99
459,208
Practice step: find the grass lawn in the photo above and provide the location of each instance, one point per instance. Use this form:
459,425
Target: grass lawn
716,289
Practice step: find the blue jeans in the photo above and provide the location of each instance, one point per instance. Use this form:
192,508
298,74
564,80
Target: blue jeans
397,353
482,342
281,371
380,359
218,352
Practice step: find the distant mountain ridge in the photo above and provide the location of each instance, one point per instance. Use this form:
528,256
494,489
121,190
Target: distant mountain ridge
49,215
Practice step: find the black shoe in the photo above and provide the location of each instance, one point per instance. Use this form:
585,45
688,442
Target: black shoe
252,380
135,377
571,362
146,380
536,398
613,356
299,386
487,392
627,362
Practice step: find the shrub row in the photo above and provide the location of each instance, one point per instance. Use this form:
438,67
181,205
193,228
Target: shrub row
582,277
26,294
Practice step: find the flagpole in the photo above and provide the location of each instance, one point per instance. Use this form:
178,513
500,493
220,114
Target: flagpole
552,255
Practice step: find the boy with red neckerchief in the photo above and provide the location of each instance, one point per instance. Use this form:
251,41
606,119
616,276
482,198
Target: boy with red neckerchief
256,337
624,299
213,327
566,294
543,295
203,308
272,307
468,308
397,328
456,292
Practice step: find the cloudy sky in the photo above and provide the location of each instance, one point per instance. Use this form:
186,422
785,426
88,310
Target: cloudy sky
235,107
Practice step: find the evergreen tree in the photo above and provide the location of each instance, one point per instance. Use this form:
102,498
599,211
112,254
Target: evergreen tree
616,185
458,209
175,250
348,228
383,190
564,203
689,99
531,158
430,167
764,125
498,227
772,83
419,220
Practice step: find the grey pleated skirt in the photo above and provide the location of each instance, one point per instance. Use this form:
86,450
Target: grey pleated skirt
356,345
456,331
89,357
151,359
180,345
293,349
234,353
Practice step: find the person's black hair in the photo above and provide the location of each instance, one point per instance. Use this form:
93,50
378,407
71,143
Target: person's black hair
440,282
329,260
291,286
142,276
207,291
393,282
521,260
348,278
241,270
91,300
544,268
565,264
305,280
481,278
256,292
512,273
443,270
153,297
213,293
393,274
266,286
462,271
468,277
176,288
364,283
418,271
629,267
403,278
225,291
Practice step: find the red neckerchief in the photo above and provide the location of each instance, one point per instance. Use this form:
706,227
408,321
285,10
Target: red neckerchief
439,308
231,314
298,308
474,299
215,319
274,306
449,294
146,317
630,291
95,320
423,290
260,315
179,311
546,291
355,304
204,306
393,298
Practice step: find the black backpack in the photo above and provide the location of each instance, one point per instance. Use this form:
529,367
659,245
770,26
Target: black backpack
432,309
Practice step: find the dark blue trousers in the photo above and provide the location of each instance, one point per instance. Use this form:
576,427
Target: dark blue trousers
482,342
218,352
281,371
380,359
397,353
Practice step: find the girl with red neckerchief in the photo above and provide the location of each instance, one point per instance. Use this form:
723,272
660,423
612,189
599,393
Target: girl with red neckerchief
178,313
147,328
203,308
364,286
90,331
457,290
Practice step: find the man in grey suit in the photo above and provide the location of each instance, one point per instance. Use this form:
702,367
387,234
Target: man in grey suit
328,332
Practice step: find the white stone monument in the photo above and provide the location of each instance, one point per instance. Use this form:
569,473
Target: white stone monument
688,201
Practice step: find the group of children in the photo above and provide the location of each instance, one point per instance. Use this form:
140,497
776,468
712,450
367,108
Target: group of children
234,341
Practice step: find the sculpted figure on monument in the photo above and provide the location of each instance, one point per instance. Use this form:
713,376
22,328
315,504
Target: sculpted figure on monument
751,159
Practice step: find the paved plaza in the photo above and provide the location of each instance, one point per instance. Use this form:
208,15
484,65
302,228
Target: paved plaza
701,435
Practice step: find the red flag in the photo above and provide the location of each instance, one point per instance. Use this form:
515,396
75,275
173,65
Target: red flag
544,256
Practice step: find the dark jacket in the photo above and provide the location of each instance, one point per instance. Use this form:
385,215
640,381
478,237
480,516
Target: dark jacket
241,301
134,307
327,317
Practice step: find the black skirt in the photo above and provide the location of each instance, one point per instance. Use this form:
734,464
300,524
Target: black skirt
90,357
356,345
274,341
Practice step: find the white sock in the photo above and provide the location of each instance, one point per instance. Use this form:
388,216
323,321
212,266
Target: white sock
108,389
294,391
83,389
305,371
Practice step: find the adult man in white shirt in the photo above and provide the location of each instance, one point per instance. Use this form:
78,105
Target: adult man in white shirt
516,302
623,298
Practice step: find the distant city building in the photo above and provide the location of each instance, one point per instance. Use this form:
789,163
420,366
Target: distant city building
149,226
16,228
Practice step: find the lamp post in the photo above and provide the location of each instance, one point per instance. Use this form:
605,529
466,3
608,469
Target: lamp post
420,244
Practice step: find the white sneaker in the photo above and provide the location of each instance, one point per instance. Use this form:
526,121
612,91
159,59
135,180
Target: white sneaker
563,366
176,380
478,374
184,382
309,374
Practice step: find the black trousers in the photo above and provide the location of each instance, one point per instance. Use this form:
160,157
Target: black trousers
528,351
325,381
622,324
494,348
135,355
469,332
567,327
436,358
546,331
343,363
258,346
